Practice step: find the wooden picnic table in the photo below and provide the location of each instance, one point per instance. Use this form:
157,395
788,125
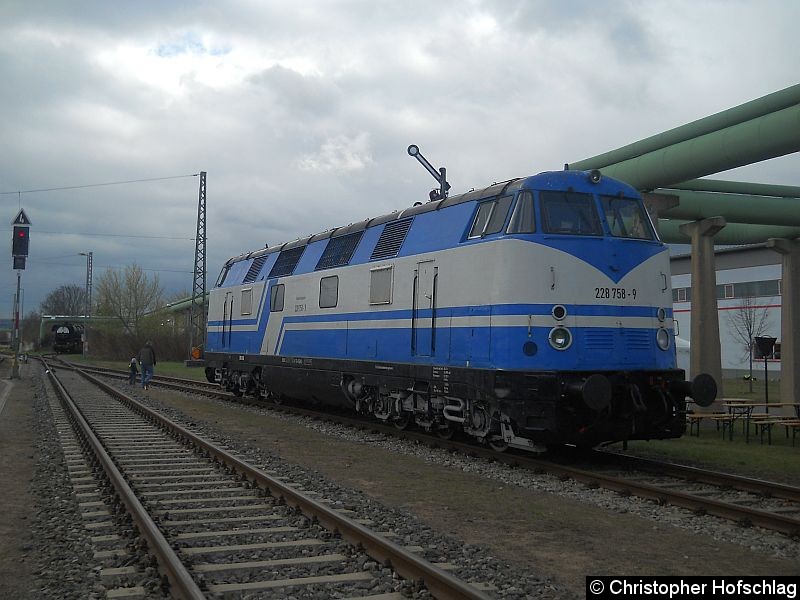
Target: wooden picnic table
744,410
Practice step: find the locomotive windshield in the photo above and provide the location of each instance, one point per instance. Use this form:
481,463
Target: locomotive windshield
569,212
626,218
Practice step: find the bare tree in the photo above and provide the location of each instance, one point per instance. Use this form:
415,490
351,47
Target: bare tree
128,295
65,300
748,322
30,329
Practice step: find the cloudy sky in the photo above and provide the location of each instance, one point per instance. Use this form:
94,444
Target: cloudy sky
301,111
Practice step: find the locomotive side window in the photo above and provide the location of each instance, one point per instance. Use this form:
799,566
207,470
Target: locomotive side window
491,217
247,301
276,297
481,219
626,218
569,212
380,285
523,220
329,292
499,214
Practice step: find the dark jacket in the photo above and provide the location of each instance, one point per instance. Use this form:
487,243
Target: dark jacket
147,356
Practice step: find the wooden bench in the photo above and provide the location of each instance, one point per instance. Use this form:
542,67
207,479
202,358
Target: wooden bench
765,423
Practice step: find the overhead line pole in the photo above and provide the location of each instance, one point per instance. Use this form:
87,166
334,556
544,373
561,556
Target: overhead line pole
197,309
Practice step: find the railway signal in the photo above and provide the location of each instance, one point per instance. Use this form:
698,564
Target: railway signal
20,242
19,252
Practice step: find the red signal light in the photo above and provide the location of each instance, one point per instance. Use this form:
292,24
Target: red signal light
20,241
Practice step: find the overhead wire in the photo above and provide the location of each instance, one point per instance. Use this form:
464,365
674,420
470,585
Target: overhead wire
91,185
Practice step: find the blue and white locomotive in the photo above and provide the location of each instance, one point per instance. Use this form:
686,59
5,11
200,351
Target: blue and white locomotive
533,312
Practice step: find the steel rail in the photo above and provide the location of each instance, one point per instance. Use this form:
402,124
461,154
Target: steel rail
698,504
739,482
182,586
440,583
701,505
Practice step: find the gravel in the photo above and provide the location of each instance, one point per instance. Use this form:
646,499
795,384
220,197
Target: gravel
67,568
471,563
723,530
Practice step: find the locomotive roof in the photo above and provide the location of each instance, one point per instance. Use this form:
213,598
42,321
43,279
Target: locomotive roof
493,190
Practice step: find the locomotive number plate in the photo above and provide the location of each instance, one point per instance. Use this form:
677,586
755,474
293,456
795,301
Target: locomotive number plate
614,293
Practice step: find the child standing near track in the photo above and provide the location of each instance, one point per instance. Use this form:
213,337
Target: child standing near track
134,371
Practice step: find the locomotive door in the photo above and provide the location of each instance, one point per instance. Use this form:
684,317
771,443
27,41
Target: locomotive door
423,315
227,320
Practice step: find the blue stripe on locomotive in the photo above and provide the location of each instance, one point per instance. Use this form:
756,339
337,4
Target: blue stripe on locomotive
594,348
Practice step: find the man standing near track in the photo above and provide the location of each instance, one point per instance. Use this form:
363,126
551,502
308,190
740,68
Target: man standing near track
147,360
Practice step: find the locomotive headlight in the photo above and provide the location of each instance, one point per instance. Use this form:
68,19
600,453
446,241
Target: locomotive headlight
662,338
560,338
559,312
661,314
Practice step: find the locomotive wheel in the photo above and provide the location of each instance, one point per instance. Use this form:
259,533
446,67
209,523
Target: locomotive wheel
402,422
445,433
497,444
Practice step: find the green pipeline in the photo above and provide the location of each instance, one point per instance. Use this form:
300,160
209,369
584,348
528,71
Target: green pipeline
775,134
736,208
722,120
735,187
731,234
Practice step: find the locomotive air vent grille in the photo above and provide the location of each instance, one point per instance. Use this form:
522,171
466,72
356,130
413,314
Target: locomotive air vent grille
287,261
598,340
339,251
391,240
638,339
255,269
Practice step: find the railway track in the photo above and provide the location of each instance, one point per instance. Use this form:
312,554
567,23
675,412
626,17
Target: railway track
219,526
747,501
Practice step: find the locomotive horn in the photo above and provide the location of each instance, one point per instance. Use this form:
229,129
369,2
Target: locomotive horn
594,176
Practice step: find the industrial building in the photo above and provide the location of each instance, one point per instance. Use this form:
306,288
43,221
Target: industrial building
748,293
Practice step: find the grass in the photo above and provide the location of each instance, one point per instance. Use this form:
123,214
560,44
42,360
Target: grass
779,460
740,388
168,368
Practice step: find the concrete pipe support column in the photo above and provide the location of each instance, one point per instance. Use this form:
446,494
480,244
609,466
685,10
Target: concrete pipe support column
706,356
790,320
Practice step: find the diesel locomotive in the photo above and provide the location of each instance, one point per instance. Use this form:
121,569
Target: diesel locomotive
533,312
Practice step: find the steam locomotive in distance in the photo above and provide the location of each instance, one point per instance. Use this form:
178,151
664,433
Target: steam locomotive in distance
533,312
67,338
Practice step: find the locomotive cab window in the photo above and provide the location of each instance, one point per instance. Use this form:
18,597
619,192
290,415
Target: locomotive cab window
329,292
571,213
491,217
626,218
247,301
523,220
276,295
